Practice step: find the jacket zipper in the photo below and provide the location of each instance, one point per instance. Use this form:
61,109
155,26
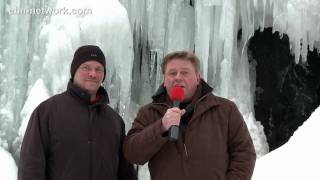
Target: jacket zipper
185,150
90,142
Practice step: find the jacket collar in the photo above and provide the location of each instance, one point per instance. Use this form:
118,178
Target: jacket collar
85,96
161,95
202,101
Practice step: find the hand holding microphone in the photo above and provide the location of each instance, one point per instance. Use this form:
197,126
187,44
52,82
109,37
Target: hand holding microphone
171,119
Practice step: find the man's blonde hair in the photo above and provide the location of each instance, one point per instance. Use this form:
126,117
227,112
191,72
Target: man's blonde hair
181,55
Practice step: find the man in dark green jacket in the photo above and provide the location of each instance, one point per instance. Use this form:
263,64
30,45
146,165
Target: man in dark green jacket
75,135
214,142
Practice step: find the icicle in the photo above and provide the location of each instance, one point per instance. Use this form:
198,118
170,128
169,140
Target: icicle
210,2
180,35
294,29
203,34
227,29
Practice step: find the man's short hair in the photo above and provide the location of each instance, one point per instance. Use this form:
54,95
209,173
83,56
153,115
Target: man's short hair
181,55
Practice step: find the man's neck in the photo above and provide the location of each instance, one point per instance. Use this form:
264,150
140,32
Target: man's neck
93,97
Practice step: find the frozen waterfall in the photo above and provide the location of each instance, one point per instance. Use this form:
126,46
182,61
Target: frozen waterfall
38,39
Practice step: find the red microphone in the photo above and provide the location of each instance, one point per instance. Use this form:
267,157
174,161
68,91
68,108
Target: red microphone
177,95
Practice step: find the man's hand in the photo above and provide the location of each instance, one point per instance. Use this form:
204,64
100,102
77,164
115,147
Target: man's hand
172,118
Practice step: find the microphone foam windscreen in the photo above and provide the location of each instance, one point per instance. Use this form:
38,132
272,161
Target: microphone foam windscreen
177,93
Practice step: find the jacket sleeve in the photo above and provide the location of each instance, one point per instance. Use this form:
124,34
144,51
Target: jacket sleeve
125,170
144,139
242,154
32,161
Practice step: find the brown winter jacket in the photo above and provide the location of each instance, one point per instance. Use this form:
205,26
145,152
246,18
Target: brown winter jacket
67,138
216,144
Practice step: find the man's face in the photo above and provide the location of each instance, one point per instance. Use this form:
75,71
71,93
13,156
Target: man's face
181,73
89,76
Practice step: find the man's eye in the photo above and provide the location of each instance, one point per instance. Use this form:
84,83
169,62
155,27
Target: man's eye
172,73
85,68
184,72
99,70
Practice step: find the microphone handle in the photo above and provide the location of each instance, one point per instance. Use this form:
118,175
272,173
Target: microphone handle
173,132
176,104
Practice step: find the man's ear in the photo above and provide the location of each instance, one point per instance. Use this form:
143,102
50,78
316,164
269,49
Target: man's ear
199,77
163,82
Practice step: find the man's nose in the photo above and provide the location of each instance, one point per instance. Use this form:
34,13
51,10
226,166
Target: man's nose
93,73
178,75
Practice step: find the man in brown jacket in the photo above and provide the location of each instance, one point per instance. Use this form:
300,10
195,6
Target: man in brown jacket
213,143
75,135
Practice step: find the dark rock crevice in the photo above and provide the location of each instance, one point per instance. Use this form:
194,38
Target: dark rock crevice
286,93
